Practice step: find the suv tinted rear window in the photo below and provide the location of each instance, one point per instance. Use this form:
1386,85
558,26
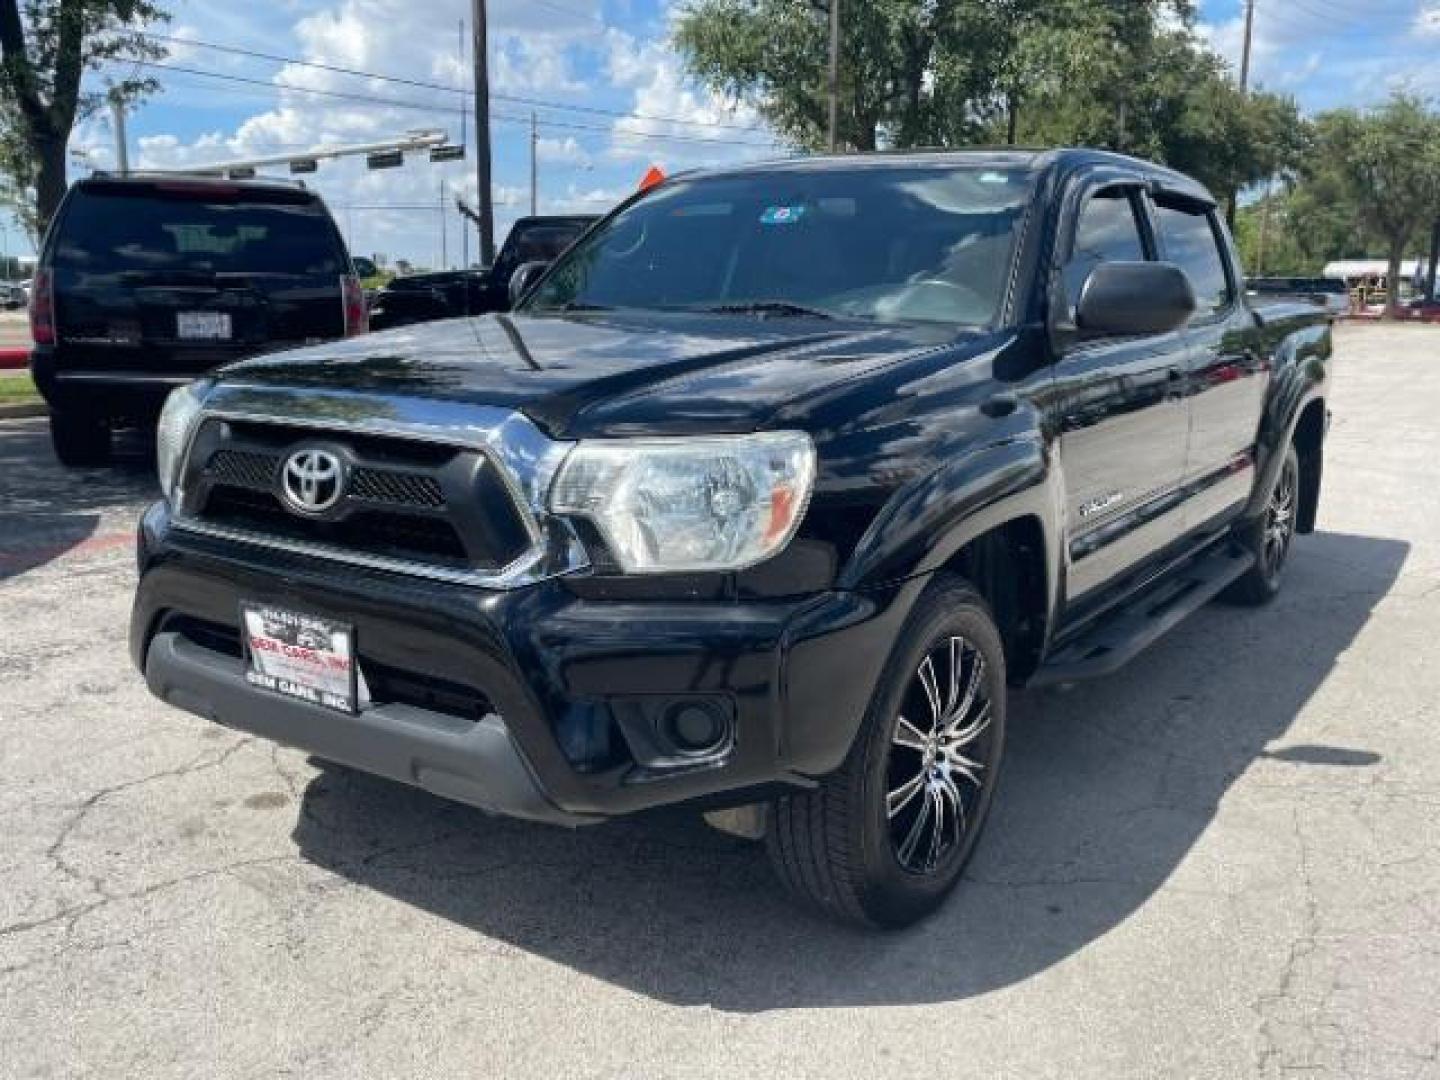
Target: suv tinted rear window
105,232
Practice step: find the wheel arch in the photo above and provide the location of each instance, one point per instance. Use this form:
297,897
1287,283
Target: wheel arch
992,517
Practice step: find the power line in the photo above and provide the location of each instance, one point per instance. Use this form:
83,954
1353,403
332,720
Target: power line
421,84
398,103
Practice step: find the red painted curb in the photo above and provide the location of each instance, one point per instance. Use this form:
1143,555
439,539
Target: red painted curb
14,359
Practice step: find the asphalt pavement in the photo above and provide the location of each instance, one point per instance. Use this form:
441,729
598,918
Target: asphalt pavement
1222,862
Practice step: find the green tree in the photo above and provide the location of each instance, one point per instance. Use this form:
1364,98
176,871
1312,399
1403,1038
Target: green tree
1383,166
47,47
895,64
1127,75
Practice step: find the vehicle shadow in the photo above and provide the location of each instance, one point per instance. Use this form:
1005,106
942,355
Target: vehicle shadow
1108,786
47,510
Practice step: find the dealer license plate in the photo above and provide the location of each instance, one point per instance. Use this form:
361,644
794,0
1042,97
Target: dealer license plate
300,656
203,326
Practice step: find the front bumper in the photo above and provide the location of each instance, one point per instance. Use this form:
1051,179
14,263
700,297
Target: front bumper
571,686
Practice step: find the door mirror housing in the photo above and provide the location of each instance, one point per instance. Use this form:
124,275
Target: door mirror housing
526,274
1128,299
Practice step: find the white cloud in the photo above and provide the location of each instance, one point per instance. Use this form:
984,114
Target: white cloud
698,125
1427,20
533,65
566,151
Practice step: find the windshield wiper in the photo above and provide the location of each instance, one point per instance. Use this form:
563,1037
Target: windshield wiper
767,307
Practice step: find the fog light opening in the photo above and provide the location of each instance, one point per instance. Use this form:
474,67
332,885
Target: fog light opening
695,728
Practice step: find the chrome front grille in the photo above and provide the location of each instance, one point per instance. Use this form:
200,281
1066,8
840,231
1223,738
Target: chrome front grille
433,507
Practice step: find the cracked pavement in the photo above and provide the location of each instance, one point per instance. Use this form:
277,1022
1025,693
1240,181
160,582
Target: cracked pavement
1222,862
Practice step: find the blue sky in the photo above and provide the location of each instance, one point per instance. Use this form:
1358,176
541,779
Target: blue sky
621,100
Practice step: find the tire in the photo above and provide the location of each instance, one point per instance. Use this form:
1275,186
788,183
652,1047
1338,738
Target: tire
840,849
1269,536
80,440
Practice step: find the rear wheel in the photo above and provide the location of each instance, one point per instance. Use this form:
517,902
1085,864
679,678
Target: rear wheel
1270,537
884,840
80,439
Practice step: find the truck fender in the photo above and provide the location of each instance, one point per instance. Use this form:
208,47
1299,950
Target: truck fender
1300,376
930,520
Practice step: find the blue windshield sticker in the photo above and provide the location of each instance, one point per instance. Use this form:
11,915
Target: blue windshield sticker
782,215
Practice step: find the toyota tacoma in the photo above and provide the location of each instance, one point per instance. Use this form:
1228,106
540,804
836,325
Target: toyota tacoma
758,502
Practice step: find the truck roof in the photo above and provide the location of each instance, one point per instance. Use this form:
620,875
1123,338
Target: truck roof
1009,157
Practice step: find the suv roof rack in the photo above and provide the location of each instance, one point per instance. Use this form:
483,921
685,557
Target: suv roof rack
200,176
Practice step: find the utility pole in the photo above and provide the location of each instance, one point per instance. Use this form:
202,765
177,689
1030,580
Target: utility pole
534,166
834,133
444,243
464,133
122,149
1249,41
480,46
1232,204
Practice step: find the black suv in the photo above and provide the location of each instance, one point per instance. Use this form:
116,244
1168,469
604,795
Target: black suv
145,282
772,485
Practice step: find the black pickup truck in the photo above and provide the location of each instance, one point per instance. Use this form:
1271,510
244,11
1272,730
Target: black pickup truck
758,503
448,294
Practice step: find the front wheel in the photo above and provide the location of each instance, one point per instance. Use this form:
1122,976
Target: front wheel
1270,537
884,840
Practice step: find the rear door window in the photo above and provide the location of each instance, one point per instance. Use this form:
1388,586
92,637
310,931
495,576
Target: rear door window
1191,242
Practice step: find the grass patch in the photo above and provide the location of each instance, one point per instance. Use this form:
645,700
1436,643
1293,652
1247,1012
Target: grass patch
17,389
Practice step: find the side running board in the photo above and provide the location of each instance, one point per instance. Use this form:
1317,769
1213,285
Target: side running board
1120,637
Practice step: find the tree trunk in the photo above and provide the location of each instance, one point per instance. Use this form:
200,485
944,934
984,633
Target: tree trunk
50,181
1392,280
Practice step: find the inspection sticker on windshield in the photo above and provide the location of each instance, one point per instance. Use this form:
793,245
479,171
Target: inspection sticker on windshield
300,656
782,215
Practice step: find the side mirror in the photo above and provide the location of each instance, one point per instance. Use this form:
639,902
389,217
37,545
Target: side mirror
1126,299
526,274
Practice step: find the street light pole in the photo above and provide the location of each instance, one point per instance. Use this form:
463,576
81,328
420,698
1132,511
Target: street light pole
534,166
480,47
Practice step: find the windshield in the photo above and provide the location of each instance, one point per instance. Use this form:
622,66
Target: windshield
875,241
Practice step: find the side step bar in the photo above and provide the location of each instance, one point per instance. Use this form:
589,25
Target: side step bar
1119,638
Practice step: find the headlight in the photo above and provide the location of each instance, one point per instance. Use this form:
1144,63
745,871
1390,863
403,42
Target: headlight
177,419
721,502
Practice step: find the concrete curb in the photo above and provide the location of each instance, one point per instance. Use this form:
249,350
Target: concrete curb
22,410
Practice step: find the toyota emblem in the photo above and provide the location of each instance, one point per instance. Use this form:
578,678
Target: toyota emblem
313,480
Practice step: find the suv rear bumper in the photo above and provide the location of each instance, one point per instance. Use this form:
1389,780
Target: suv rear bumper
69,385
576,688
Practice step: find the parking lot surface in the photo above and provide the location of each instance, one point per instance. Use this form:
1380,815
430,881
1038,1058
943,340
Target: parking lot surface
1223,862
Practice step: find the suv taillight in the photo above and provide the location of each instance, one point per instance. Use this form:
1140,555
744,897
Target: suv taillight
357,318
42,308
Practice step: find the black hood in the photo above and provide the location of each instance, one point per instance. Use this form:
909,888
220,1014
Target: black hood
605,373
